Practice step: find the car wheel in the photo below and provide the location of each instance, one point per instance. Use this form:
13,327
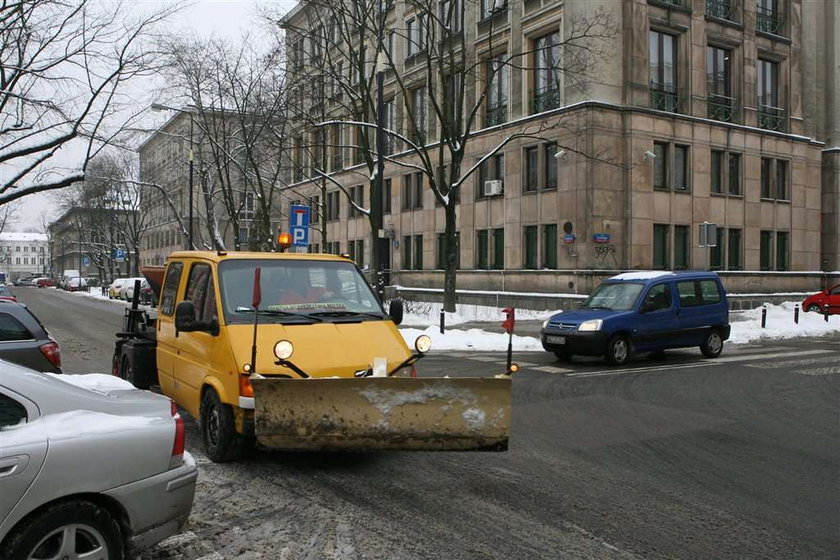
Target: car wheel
71,530
222,443
814,308
618,350
712,345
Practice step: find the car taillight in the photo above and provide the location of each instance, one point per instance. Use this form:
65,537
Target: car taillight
180,439
51,352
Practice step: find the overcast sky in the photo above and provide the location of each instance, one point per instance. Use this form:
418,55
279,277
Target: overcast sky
224,18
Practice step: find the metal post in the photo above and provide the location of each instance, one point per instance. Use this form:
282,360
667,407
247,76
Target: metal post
376,196
796,313
825,312
190,226
442,321
763,316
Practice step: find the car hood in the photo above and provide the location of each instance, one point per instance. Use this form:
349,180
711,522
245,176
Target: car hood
574,318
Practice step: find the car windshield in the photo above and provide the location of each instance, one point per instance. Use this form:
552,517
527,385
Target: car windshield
302,290
616,296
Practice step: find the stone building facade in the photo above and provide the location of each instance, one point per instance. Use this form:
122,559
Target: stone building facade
719,111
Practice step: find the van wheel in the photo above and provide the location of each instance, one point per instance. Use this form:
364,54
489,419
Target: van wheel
222,443
618,350
712,345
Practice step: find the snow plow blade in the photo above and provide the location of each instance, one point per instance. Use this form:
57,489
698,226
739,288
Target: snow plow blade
381,413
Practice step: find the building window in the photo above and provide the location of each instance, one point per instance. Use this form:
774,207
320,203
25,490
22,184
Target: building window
531,247
498,77
549,246
357,252
550,165
670,166
498,248
406,252
386,196
719,84
315,212
418,115
390,123
717,253
451,17
412,195
774,179
492,169
660,165
357,195
246,206
768,17
546,73
418,252
481,249
733,248
680,168
766,251
782,192
782,250
663,72
681,247
734,173
492,7
415,31
766,166
661,250
532,168
770,115
333,205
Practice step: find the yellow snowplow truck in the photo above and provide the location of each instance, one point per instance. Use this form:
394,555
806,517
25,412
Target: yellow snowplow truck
296,351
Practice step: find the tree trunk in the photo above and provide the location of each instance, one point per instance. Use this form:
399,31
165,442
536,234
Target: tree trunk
452,250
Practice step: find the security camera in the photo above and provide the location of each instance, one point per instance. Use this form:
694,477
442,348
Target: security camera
649,155
560,154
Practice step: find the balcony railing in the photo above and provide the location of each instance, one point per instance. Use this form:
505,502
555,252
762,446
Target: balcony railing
664,97
546,100
669,2
771,118
769,21
495,115
721,108
722,9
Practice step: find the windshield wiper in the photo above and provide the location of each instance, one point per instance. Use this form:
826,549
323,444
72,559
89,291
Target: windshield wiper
280,313
598,307
346,314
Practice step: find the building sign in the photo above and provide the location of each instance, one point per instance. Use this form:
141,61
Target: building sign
601,237
569,238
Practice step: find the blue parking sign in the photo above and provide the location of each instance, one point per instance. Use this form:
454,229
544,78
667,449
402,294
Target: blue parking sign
299,225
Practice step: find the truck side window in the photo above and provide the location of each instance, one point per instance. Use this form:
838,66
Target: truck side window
12,412
200,292
170,288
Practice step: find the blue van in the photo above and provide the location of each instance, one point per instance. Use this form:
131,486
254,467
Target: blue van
643,312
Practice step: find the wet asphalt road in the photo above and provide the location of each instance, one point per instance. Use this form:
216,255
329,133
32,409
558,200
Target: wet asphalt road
681,457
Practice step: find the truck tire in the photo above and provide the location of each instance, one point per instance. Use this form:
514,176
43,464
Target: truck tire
127,373
222,443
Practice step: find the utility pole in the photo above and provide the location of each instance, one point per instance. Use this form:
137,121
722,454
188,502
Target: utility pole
376,196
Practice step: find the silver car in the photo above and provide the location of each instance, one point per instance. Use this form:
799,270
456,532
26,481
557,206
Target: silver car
116,478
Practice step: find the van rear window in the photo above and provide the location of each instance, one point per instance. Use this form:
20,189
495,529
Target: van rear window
709,290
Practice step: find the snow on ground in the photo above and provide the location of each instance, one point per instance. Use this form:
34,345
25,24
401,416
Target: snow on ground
424,314
472,339
780,325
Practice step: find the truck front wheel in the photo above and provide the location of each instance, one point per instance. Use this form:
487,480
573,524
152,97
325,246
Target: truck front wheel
222,442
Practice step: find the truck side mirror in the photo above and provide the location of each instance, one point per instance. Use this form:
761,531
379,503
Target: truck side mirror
185,317
395,310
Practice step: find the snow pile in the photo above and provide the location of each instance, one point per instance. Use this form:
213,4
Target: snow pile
95,381
472,339
780,325
425,314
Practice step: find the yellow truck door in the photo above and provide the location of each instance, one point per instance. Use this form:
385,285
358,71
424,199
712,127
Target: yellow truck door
166,349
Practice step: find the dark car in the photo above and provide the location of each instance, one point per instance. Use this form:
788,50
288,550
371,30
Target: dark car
827,298
25,341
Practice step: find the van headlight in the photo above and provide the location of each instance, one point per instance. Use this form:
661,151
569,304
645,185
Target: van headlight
593,325
423,343
284,350
545,323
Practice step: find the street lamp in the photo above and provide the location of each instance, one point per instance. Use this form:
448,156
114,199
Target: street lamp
159,107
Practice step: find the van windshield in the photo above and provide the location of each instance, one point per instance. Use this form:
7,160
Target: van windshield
617,296
297,291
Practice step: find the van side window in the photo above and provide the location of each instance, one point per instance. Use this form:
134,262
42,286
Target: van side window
660,296
687,291
201,293
12,412
709,290
170,288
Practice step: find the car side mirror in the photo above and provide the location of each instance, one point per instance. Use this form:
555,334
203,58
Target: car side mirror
395,310
185,317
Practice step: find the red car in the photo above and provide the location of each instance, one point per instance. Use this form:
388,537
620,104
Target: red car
818,301
6,294
45,282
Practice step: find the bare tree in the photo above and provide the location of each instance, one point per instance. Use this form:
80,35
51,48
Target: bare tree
236,98
63,67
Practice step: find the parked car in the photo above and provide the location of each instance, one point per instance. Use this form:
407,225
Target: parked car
75,284
643,312
817,302
6,293
24,281
127,289
92,281
114,288
116,479
45,282
25,341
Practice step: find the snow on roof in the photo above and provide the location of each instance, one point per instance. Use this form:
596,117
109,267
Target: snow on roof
22,236
642,275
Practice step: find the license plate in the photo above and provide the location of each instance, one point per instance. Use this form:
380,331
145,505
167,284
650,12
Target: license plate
551,339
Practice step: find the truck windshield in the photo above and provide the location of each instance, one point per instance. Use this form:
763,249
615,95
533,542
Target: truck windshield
619,296
297,290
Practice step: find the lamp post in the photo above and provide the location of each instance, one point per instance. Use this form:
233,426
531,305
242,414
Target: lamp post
159,107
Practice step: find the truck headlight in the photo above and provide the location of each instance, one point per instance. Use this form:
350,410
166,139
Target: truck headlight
593,325
284,350
423,343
